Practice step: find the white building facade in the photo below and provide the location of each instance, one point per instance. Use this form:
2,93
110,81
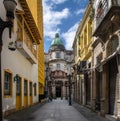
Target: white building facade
20,67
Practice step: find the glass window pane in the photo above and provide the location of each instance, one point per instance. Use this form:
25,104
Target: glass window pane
7,83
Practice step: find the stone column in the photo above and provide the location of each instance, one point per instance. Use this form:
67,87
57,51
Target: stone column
94,90
83,91
76,89
80,91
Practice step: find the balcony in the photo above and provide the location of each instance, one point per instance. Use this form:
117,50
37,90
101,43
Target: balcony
58,74
105,11
25,43
27,51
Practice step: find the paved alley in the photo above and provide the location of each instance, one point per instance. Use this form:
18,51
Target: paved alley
57,110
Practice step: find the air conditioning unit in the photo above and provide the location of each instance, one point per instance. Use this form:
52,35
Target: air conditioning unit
19,44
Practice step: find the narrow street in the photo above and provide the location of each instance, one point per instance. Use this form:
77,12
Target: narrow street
56,110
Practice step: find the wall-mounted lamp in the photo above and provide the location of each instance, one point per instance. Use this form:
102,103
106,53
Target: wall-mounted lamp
16,77
34,84
10,6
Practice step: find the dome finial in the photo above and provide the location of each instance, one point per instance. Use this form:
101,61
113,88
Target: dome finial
56,35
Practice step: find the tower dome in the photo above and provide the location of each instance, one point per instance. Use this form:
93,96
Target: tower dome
57,43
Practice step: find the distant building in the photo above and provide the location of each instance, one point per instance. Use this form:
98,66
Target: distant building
59,64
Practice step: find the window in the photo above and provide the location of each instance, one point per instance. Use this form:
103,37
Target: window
50,56
79,52
112,45
58,67
25,87
99,58
90,30
7,83
115,2
89,65
79,40
57,54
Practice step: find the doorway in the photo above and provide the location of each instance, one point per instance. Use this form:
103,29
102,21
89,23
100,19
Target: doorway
18,93
25,93
58,91
30,93
112,101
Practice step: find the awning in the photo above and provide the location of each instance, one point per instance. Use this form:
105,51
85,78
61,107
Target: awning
30,20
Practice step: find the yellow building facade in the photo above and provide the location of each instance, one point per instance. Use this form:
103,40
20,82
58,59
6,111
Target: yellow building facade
37,11
83,60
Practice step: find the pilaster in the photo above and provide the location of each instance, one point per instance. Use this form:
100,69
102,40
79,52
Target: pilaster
94,90
104,89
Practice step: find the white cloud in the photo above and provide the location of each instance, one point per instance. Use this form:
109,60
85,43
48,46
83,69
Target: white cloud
53,18
58,1
69,36
80,11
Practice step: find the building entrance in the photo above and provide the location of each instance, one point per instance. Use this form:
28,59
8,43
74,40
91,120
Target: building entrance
113,70
58,91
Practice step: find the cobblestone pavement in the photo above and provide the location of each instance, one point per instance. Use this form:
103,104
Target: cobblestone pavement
57,110
88,114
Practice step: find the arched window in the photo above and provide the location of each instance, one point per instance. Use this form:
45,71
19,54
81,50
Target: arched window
112,45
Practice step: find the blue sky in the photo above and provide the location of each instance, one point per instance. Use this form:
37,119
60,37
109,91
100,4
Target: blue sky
63,17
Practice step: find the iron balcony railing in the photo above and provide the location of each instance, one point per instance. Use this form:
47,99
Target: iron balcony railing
103,8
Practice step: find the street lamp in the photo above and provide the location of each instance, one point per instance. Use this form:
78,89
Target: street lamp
66,85
10,6
70,86
46,81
